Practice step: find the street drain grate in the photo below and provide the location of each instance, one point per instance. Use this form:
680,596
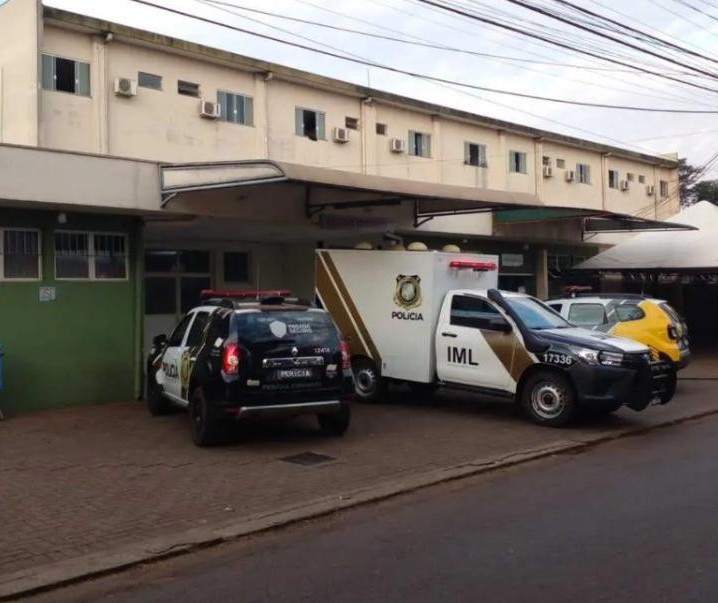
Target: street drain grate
308,458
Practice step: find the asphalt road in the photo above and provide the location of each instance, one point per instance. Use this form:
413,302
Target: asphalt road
631,521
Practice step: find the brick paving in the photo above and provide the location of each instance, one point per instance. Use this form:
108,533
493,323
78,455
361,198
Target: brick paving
92,479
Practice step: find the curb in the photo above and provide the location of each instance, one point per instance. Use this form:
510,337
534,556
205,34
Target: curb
47,577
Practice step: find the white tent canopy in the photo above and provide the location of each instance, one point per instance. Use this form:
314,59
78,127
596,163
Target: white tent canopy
688,250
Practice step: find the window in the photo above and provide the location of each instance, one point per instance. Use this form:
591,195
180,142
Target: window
629,312
558,261
352,123
175,279
583,173
612,178
65,75
642,179
561,163
236,267
309,124
93,256
664,188
382,129
149,80
630,177
160,295
187,88
196,333
419,144
517,162
587,315
20,256
475,154
546,160
557,307
178,334
472,312
236,108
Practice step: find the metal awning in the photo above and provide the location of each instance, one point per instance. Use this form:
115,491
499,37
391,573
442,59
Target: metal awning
324,188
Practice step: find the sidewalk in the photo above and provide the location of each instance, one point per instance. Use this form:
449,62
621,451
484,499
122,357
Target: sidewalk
83,484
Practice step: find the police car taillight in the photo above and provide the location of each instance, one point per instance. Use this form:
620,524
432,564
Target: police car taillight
346,356
230,358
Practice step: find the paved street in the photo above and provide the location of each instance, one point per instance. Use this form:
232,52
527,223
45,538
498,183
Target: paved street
633,520
90,481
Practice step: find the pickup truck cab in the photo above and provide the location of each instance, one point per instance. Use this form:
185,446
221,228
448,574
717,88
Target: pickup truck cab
433,319
232,358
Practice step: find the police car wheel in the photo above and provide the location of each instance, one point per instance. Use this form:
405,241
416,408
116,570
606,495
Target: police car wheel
548,399
368,383
335,424
206,429
671,385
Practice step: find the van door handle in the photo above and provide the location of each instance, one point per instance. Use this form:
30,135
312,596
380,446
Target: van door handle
449,335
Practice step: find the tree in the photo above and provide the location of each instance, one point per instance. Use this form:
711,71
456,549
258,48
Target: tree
706,190
688,176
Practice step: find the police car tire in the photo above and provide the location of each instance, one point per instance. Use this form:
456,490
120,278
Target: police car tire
667,396
552,384
366,391
335,424
157,404
207,430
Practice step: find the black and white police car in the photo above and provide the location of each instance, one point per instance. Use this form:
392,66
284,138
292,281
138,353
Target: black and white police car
251,354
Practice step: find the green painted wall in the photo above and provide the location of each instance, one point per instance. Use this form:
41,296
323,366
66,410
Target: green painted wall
79,349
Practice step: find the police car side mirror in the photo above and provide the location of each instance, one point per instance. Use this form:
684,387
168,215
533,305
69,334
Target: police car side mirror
500,324
159,340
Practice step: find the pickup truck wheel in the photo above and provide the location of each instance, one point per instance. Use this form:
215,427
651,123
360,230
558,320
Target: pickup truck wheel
367,380
548,399
336,423
157,404
206,429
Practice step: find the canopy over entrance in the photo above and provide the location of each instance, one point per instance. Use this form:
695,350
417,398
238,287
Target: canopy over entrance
688,251
299,193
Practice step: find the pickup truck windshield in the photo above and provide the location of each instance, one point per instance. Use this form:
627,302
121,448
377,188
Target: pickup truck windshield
535,315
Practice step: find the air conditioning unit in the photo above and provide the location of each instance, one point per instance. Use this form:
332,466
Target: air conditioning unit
125,87
209,110
398,145
547,171
341,135
570,175
650,190
625,185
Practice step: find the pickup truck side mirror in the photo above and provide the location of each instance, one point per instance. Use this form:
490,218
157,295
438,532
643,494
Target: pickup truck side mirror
500,324
159,341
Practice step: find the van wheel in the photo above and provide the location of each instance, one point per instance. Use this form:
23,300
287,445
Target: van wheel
157,404
548,399
336,423
206,429
368,383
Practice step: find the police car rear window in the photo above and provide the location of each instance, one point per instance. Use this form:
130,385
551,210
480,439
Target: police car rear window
303,328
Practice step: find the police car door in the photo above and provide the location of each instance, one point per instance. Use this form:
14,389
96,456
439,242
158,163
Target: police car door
470,349
172,359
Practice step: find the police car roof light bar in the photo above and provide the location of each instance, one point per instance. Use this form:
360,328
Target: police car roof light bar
244,293
472,265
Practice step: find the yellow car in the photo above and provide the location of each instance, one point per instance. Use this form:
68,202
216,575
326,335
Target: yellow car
651,321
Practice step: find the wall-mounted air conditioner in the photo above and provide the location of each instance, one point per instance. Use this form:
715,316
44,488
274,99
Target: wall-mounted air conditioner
341,135
570,175
125,87
398,145
208,109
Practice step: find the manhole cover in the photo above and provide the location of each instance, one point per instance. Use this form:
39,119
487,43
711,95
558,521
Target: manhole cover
308,458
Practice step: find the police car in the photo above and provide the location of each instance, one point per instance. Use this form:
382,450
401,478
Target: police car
251,354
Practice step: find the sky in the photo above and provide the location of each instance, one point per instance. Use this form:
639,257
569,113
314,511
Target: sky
576,78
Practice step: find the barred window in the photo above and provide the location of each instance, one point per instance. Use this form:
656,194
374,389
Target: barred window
92,256
20,256
235,108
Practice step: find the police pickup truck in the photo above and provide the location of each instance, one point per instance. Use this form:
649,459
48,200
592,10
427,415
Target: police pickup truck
235,357
434,319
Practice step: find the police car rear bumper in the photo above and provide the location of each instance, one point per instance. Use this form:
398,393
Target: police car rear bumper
604,386
287,410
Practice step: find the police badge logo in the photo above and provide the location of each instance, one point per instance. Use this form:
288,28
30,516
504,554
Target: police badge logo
408,291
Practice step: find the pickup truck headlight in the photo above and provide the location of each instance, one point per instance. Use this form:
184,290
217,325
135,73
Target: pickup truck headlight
595,357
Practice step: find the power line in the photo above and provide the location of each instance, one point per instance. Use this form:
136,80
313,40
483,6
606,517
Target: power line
521,31
368,63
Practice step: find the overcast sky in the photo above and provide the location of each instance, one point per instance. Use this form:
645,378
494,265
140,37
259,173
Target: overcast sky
692,136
